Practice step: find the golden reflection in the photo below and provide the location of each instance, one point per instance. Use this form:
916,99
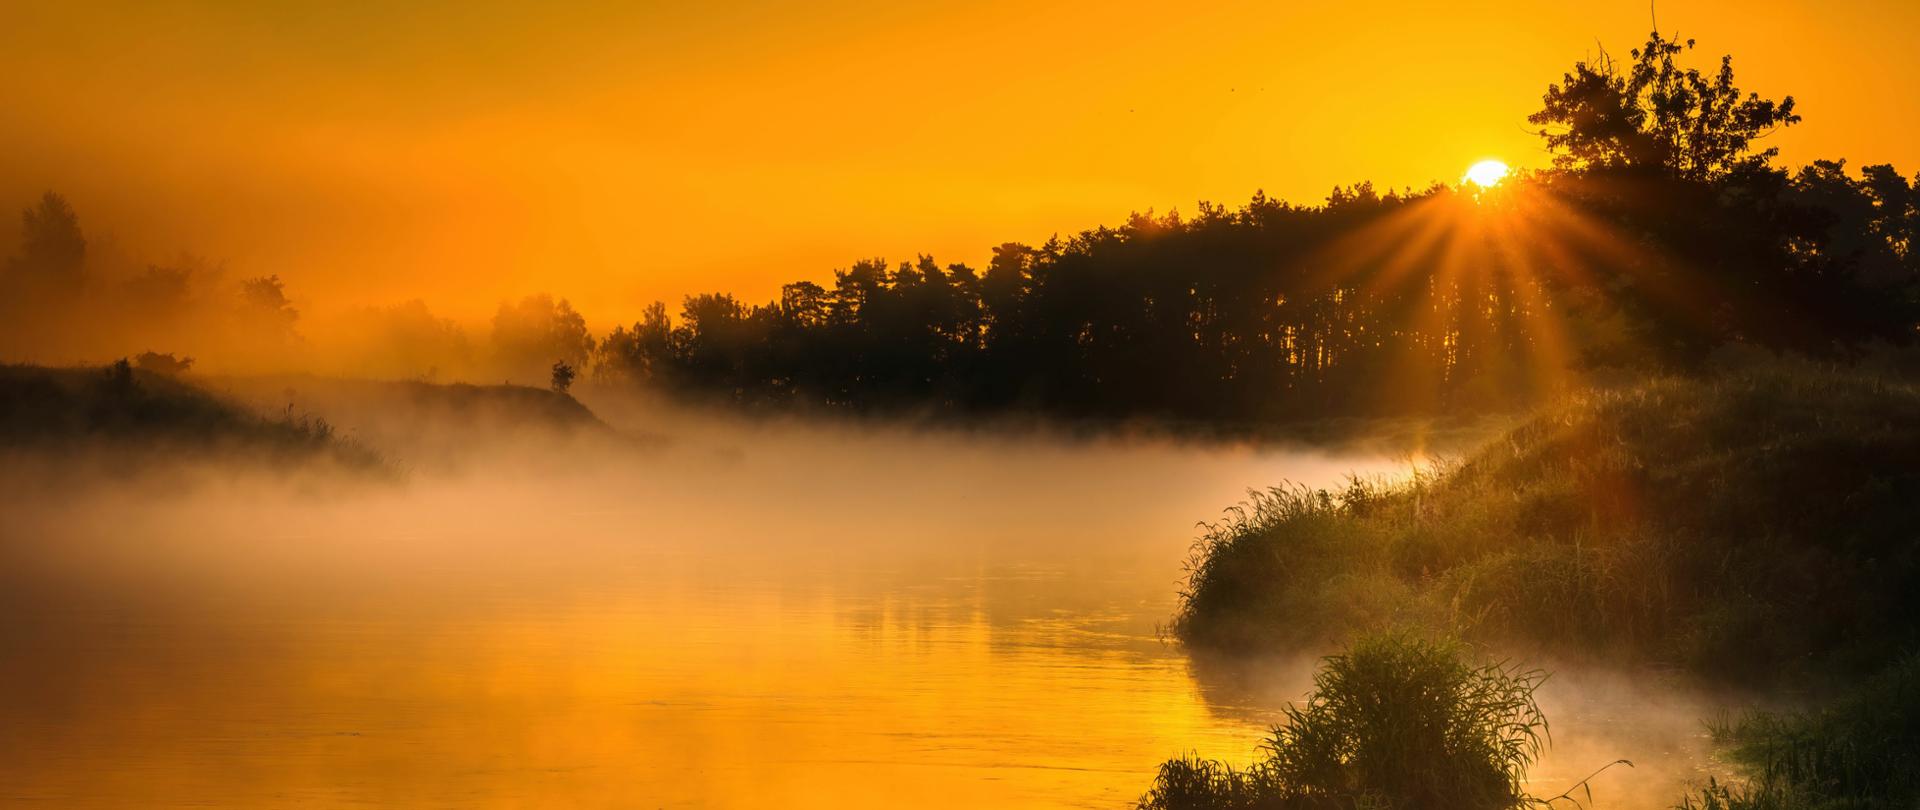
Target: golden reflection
810,698
627,637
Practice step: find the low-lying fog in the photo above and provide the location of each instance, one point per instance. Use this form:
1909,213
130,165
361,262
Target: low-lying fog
688,611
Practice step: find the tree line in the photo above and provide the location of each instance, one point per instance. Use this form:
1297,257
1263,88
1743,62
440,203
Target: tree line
1661,233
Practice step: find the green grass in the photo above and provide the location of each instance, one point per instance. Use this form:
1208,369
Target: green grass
143,416
1755,526
1860,752
1392,722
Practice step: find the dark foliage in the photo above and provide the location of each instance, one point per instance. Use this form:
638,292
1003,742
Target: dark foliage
528,335
1662,234
52,248
162,363
62,410
1857,753
1393,722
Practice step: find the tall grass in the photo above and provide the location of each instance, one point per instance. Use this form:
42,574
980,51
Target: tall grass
1752,526
1392,722
1861,752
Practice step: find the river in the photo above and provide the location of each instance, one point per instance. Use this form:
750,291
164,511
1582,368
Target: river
776,616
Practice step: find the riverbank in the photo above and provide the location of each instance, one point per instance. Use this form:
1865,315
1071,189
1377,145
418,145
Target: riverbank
129,418
86,420
1751,529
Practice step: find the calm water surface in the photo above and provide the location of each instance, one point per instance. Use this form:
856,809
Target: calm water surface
754,621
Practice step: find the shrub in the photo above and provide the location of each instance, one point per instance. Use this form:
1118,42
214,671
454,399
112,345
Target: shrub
1393,722
163,363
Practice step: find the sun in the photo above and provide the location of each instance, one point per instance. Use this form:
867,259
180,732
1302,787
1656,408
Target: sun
1486,173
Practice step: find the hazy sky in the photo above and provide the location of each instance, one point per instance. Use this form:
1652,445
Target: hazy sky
618,153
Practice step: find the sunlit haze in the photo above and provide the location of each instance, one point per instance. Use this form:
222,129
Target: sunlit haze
960,405
620,153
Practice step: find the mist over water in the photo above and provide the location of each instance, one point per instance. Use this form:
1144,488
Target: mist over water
684,610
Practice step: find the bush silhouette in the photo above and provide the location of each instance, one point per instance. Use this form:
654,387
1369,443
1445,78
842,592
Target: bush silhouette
1392,722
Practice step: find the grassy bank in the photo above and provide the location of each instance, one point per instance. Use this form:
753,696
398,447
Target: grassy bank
1856,753
141,417
119,416
1754,526
438,427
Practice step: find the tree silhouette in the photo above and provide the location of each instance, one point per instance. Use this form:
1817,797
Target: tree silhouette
528,335
643,354
265,298
1663,232
1672,234
53,251
1658,114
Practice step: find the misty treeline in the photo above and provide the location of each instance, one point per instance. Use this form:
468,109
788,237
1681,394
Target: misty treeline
63,300
1661,233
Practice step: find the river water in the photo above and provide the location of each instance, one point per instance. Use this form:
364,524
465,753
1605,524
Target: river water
771,617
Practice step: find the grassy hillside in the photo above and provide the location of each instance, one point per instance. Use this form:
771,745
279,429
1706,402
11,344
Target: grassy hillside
429,425
62,411
1757,527
1754,527
411,405
367,423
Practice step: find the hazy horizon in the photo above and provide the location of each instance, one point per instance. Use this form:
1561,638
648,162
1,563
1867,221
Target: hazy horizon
961,405
616,156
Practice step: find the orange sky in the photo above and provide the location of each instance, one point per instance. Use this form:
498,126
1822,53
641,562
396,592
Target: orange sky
620,153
